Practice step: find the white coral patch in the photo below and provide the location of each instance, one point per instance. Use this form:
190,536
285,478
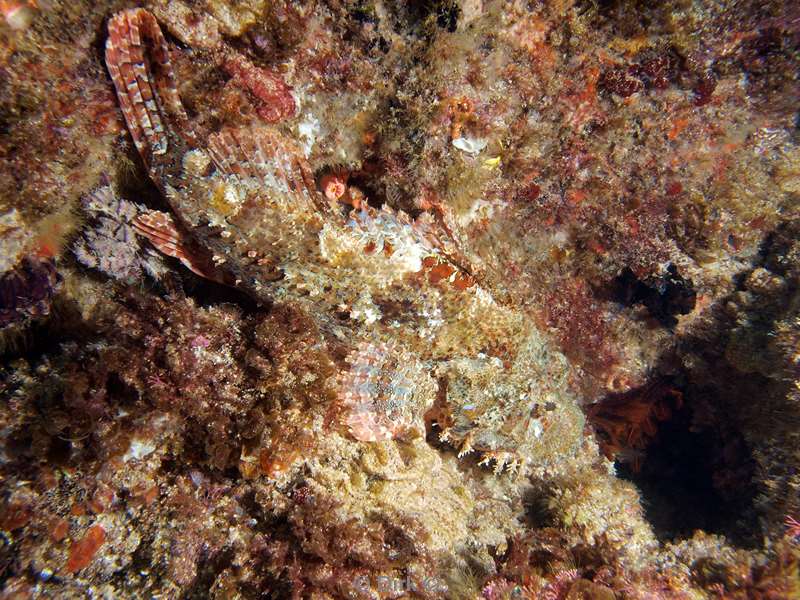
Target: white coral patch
138,450
470,145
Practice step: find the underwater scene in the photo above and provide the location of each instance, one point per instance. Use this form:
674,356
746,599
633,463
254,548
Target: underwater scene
400,299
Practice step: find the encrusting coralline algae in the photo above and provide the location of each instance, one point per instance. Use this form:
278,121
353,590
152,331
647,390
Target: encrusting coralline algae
352,299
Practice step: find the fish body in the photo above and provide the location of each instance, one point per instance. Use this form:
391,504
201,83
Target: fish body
382,284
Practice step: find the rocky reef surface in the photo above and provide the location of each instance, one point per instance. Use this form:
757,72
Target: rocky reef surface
463,299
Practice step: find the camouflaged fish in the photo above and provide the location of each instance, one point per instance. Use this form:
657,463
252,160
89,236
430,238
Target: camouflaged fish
247,212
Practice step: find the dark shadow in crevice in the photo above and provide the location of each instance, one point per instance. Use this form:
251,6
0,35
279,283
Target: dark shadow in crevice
694,477
210,293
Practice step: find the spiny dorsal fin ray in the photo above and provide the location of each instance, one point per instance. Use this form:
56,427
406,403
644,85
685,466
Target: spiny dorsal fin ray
138,61
264,155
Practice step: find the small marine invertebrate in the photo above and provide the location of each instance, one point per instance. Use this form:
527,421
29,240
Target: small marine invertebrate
334,185
499,588
470,145
384,393
335,188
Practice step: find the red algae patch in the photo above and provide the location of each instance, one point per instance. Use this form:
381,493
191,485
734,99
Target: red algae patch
82,552
15,516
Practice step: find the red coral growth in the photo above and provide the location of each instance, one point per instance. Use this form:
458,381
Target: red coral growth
275,97
82,552
627,422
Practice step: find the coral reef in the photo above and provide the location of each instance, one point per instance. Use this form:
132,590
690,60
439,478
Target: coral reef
359,299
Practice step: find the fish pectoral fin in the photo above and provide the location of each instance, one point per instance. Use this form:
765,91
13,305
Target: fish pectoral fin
160,229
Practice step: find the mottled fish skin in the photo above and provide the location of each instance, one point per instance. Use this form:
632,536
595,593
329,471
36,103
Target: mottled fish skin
248,199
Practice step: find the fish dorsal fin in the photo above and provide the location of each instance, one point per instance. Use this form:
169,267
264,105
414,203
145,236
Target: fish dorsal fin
138,61
265,157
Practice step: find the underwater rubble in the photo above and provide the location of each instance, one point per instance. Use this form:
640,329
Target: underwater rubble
443,299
